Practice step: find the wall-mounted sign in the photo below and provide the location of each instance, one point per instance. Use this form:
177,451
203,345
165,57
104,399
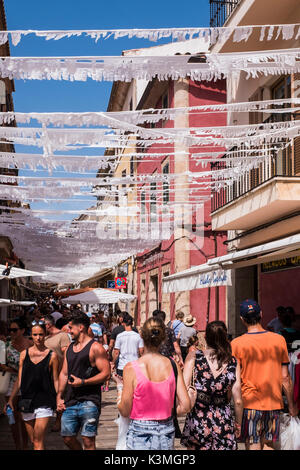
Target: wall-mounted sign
153,259
120,282
198,281
111,285
280,264
214,279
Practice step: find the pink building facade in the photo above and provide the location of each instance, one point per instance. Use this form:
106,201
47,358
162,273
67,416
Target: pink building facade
200,242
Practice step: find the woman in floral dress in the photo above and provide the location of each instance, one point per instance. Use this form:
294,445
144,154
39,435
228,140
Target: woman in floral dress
211,424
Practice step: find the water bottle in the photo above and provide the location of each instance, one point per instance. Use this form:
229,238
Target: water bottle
10,415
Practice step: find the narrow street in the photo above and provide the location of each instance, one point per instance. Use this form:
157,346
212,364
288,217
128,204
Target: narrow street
150,209
107,431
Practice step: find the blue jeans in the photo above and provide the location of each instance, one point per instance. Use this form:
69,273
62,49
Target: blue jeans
150,435
84,416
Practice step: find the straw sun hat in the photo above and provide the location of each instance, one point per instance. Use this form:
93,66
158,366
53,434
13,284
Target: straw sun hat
189,320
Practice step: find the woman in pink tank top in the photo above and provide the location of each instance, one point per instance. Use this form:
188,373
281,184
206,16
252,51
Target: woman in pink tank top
148,394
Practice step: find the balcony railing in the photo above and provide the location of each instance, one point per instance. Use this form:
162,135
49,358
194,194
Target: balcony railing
220,10
276,162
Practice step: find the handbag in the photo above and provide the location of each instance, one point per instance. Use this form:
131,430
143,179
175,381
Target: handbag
4,376
192,391
175,420
4,382
123,425
289,432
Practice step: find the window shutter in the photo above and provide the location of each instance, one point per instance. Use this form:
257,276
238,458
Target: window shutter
256,117
297,156
296,94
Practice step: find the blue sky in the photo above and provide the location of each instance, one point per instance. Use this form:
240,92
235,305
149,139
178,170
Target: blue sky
43,96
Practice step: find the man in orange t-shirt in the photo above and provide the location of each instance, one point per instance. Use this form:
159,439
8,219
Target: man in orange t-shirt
264,360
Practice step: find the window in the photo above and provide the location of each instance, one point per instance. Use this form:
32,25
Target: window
153,293
143,207
165,101
152,202
255,117
281,91
166,192
124,176
132,166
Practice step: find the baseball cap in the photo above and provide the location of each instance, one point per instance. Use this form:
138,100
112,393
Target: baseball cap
249,307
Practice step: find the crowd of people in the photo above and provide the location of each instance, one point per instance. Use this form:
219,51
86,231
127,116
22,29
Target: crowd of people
61,359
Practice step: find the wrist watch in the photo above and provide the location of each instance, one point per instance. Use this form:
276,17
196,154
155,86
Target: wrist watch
82,381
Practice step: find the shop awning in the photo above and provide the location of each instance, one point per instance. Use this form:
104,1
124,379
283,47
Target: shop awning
197,277
69,292
277,249
18,272
216,272
97,277
99,296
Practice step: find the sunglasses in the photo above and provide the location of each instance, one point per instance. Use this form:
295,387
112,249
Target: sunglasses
40,322
13,330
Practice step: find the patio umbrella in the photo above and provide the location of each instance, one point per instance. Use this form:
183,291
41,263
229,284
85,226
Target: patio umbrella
17,272
99,296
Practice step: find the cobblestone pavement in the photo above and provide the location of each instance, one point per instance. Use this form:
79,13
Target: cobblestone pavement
107,430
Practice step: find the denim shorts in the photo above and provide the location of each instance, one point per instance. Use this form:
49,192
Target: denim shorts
82,416
150,435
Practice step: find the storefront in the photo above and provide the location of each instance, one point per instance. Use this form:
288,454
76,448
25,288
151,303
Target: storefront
152,268
269,272
259,272
206,284
279,283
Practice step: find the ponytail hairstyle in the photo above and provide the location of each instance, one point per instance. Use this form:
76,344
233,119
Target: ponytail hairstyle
153,332
216,338
193,340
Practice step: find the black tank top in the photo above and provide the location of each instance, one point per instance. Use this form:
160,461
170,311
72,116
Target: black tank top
80,366
37,383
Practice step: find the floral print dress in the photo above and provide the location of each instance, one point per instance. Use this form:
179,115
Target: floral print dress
211,427
12,360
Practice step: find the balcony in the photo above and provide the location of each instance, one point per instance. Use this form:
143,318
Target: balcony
264,194
220,10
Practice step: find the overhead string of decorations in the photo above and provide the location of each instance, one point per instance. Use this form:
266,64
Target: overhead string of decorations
211,35
116,220
126,68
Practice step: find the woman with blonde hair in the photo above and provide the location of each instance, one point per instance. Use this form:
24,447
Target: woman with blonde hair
149,393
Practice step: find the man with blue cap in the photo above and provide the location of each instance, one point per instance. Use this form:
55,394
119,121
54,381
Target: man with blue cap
264,360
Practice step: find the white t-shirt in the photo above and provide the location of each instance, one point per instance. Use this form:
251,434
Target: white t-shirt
128,343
